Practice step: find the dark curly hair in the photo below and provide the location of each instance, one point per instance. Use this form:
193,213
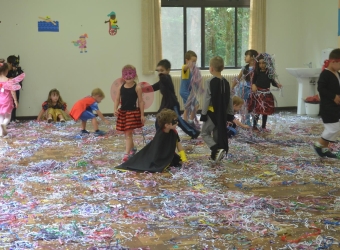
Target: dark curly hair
166,116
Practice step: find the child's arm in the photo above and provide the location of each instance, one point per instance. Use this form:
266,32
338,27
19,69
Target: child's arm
140,103
67,111
276,84
117,101
40,114
181,152
236,80
240,124
14,95
102,117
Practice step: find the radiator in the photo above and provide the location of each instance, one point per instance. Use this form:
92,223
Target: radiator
177,82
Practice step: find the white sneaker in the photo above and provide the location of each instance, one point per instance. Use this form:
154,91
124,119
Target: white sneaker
219,155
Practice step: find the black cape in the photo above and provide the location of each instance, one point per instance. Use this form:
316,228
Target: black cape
157,155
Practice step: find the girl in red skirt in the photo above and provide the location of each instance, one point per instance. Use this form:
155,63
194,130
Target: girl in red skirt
129,115
262,100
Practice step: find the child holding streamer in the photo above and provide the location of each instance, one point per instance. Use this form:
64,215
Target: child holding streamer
129,116
242,82
7,95
261,101
54,109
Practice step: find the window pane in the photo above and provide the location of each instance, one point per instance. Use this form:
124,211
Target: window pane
194,32
173,36
242,34
220,35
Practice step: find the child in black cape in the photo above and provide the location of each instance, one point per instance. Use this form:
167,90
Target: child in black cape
160,152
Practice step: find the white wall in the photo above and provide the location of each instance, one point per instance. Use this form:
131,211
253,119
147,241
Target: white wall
52,61
297,31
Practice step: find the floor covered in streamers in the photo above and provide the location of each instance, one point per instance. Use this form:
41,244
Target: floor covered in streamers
59,190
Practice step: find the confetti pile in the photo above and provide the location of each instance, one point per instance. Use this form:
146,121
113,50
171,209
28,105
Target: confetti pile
59,190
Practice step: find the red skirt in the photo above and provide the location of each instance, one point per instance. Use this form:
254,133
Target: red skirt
261,102
128,120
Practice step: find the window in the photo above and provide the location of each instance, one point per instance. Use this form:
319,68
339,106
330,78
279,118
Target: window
208,27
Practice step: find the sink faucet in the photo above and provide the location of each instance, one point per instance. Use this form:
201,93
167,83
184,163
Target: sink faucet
310,65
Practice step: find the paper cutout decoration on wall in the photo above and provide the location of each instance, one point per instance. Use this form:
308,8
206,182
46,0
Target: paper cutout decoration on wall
148,93
48,25
113,27
81,43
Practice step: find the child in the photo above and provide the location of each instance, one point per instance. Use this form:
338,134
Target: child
215,110
169,99
160,152
129,116
185,88
238,103
7,96
54,108
113,20
83,110
329,90
14,70
262,100
243,80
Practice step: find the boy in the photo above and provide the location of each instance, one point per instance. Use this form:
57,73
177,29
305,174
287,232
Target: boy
160,152
216,111
13,71
185,88
169,99
83,110
329,90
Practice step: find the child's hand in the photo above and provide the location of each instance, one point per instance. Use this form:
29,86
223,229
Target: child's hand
337,99
253,88
279,85
106,122
116,113
246,127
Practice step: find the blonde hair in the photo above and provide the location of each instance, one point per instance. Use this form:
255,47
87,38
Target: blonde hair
165,116
189,54
98,92
237,101
217,63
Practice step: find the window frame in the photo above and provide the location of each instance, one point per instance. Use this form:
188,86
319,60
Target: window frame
204,4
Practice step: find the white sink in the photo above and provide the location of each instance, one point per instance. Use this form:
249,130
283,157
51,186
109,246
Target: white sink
304,72
306,78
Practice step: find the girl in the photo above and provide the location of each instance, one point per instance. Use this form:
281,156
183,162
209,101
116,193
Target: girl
7,95
54,108
262,100
243,79
129,116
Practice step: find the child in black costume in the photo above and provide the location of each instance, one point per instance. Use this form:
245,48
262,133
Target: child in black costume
169,99
329,90
160,152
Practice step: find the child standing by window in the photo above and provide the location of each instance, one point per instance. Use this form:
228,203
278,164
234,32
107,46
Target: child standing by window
169,99
54,108
215,111
83,110
329,90
7,96
160,152
129,116
262,100
242,82
185,88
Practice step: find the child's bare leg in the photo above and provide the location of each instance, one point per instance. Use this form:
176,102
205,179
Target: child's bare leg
95,124
61,118
193,113
323,143
83,125
185,115
128,141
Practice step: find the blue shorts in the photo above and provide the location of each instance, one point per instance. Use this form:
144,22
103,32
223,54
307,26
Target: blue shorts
87,115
